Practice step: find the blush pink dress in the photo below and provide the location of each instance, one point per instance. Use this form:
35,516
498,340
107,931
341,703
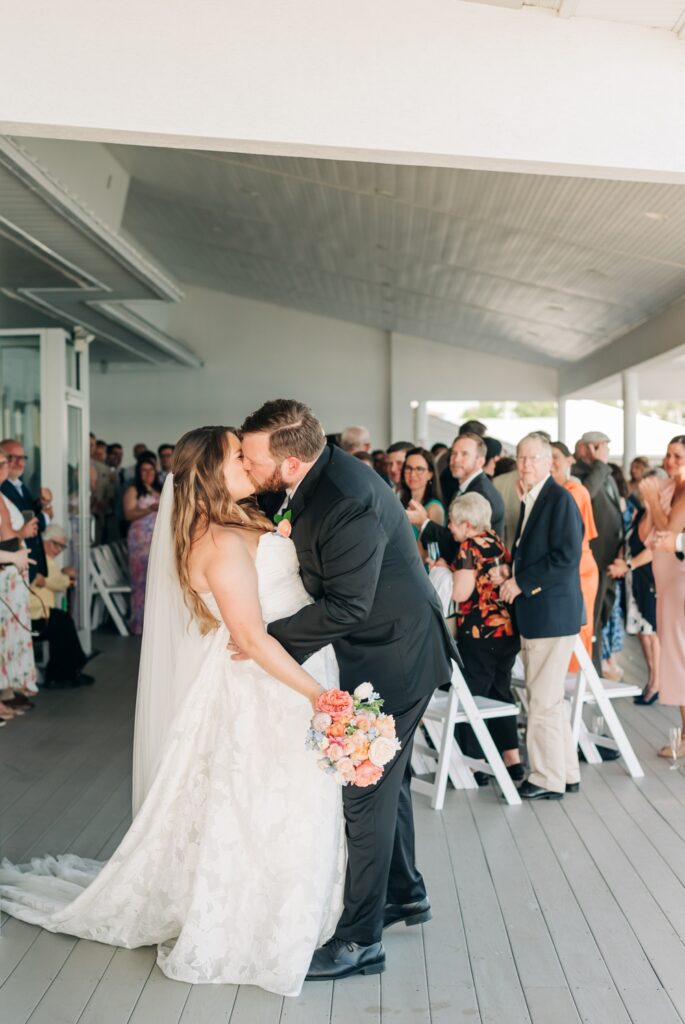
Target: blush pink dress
669,578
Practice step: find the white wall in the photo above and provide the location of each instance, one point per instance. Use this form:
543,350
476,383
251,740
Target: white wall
428,371
253,351
452,82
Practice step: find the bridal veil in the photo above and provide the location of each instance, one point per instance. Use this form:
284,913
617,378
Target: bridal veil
170,655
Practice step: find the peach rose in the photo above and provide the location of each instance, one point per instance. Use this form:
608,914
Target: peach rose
346,769
362,722
284,528
335,752
320,721
336,729
382,750
386,726
355,743
367,774
336,703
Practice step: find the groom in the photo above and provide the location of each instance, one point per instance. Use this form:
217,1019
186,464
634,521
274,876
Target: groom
373,601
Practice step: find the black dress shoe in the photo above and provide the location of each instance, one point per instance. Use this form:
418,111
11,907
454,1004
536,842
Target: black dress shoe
341,959
481,778
528,791
572,787
516,772
417,912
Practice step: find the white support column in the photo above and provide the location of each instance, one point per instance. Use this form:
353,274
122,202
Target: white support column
562,420
421,436
631,399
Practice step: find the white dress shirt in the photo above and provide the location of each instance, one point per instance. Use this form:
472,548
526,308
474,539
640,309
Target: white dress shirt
529,500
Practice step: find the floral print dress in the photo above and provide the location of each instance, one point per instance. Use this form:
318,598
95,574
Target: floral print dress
17,664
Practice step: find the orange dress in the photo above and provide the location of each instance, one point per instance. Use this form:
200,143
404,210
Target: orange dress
589,573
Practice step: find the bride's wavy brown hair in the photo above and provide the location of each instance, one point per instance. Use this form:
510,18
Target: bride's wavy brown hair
201,499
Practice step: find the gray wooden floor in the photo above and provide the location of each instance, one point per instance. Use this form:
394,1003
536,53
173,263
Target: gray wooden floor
552,913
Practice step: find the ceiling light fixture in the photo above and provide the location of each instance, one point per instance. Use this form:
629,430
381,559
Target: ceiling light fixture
653,215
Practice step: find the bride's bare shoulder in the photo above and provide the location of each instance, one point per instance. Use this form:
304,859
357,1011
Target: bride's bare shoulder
227,541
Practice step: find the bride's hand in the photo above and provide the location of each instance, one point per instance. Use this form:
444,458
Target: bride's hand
315,696
235,652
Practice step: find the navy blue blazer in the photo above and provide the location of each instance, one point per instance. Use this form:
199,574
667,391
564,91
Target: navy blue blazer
546,566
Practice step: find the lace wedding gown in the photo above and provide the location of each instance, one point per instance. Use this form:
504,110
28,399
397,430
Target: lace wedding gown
234,864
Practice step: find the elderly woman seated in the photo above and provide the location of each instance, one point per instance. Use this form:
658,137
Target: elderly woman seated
486,635
67,657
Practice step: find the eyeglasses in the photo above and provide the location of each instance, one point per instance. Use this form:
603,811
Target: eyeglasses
416,469
18,458
531,458
59,546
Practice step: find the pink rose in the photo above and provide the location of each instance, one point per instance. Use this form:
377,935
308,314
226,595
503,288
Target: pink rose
362,722
382,750
335,752
346,769
386,726
336,703
320,721
367,774
284,528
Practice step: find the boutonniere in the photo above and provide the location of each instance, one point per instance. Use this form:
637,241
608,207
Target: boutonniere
283,522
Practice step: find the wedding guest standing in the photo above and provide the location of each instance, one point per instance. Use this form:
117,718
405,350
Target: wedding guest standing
562,461
664,502
420,484
17,665
544,589
486,636
141,502
593,470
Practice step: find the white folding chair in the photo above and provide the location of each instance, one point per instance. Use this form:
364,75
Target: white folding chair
109,586
446,710
586,689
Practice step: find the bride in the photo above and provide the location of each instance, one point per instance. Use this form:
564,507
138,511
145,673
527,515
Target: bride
234,863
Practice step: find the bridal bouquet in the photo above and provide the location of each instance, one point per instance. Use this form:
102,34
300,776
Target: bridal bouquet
356,739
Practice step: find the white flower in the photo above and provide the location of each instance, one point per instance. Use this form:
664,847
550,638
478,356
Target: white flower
364,691
383,750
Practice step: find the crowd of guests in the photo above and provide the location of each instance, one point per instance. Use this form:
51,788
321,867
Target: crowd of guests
34,601
35,591
538,547
543,546
124,503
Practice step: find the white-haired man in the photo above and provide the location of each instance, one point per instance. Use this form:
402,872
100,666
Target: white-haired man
355,439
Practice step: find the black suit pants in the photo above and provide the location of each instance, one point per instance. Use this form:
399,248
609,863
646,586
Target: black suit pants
66,654
379,826
487,671
604,605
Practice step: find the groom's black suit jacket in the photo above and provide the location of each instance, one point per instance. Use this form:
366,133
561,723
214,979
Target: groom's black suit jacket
372,598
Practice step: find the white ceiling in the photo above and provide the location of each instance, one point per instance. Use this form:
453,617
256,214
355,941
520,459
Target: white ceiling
666,14
545,269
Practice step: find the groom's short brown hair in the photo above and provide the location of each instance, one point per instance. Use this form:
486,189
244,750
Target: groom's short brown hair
292,427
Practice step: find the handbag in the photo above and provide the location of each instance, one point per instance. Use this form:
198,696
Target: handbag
13,544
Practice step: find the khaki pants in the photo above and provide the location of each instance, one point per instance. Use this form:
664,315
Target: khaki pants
552,754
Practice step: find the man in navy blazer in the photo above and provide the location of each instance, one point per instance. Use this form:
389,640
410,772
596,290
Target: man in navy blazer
464,475
544,589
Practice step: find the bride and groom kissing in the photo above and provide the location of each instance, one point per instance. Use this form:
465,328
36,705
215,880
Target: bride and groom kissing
242,862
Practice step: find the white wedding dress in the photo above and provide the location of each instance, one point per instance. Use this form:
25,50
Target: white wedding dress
234,864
